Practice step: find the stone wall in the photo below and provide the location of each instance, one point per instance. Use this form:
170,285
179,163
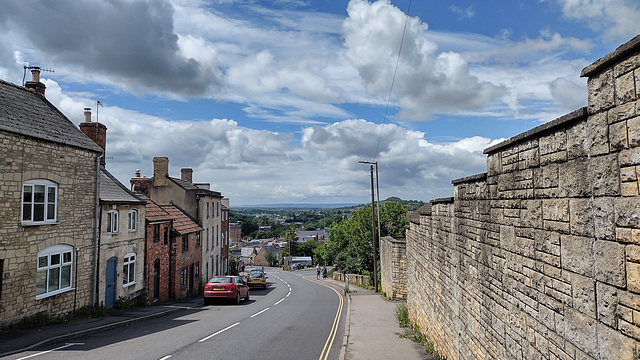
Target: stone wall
539,258
74,171
393,267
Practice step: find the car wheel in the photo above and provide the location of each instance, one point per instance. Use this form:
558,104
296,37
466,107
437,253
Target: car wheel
238,298
247,297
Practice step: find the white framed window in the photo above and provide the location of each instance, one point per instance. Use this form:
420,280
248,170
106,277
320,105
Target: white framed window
112,222
133,220
129,270
54,275
39,202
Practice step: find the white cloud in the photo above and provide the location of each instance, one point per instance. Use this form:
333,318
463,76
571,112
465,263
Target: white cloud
616,19
426,82
463,13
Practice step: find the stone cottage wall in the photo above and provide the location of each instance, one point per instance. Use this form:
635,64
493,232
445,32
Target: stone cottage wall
393,265
539,258
73,169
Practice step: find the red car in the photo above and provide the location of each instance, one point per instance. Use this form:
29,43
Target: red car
226,287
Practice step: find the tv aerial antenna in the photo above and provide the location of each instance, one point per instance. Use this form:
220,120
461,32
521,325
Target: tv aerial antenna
33,67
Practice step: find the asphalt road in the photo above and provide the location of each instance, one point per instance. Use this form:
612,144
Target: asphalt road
293,319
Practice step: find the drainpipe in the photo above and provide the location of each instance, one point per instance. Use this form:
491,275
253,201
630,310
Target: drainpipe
94,295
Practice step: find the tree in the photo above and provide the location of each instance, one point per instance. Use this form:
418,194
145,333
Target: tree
349,244
271,258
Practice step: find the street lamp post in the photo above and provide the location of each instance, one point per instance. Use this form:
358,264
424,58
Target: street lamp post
373,225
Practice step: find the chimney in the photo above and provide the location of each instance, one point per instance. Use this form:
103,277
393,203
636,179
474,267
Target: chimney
140,184
160,171
186,174
96,132
35,83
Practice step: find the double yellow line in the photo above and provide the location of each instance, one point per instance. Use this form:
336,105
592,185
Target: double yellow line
336,322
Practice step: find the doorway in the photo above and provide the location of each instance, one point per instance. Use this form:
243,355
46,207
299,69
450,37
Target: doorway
110,286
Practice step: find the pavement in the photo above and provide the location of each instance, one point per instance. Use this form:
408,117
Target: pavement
371,329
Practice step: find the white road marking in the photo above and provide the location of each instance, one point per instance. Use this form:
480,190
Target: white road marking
48,351
166,357
279,301
223,330
258,313
289,293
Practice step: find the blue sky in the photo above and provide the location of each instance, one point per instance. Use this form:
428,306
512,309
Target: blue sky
277,101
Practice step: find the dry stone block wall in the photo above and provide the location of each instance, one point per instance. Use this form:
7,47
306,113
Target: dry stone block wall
539,258
393,265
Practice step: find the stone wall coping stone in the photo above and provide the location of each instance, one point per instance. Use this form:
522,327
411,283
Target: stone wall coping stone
471,178
537,131
612,57
442,200
394,240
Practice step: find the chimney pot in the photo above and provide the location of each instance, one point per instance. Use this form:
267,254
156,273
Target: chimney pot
137,173
87,115
35,83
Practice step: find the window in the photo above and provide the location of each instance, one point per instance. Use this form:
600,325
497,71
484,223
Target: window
184,275
133,220
217,235
166,235
54,270
112,222
207,236
39,202
185,243
156,232
207,210
129,270
196,271
198,239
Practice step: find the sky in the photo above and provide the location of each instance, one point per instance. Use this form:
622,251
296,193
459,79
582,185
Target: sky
279,101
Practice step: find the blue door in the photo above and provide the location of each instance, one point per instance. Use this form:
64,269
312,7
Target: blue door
110,290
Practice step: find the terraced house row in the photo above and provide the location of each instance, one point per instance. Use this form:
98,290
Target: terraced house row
72,235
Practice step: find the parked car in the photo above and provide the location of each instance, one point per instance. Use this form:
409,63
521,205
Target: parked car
257,278
295,266
226,287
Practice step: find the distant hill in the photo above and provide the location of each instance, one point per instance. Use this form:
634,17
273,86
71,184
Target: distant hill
410,205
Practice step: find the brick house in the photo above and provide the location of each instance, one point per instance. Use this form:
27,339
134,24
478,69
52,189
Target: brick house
48,177
196,200
121,240
157,257
186,254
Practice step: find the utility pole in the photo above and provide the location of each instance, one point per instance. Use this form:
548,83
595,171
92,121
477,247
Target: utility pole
373,225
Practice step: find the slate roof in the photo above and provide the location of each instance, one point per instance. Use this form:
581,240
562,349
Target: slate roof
153,212
113,191
190,186
182,223
25,112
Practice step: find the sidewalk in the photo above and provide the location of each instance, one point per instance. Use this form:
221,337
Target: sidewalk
371,329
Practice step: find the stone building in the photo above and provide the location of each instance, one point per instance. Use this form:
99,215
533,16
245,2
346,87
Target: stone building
196,200
224,235
539,257
121,240
121,235
48,178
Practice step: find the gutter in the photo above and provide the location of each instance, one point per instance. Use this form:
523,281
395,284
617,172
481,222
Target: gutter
94,295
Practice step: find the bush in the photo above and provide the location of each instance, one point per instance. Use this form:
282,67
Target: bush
402,314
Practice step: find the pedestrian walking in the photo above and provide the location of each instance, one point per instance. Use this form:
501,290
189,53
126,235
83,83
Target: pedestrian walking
324,272
318,271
